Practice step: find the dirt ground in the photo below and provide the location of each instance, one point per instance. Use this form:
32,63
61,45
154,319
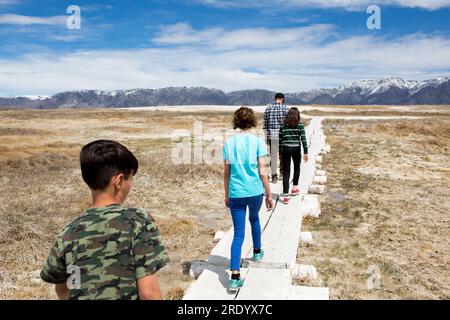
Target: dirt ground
385,225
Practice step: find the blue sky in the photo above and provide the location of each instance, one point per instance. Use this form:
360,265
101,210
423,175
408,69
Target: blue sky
287,45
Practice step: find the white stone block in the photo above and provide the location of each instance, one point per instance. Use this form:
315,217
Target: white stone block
266,284
308,293
320,180
321,173
318,166
197,268
304,271
306,237
212,285
219,236
319,159
310,206
316,189
327,148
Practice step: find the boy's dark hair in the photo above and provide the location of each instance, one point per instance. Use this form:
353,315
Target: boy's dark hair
292,118
102,159
279,96
244,118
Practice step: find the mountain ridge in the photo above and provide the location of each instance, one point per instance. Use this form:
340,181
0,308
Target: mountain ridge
385,91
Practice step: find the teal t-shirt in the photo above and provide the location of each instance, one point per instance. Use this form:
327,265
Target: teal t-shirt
243,151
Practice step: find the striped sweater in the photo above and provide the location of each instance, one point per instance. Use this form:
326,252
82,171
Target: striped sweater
293,137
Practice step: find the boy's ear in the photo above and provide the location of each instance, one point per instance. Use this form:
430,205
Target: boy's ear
117,181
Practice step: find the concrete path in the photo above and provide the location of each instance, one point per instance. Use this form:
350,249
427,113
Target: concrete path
270,279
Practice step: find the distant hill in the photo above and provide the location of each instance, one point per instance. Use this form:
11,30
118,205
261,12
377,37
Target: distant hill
385,91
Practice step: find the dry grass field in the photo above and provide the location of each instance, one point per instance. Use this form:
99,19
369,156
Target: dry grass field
387,201
41,188
386,210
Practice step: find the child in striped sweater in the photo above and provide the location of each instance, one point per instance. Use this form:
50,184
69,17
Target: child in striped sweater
292,137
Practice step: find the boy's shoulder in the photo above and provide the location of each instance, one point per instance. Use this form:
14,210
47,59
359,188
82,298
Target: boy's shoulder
118,217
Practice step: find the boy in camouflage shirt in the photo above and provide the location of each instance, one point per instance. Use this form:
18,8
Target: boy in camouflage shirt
111,251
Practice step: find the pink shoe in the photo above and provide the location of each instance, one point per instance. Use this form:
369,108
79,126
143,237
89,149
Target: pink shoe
285,200
295,191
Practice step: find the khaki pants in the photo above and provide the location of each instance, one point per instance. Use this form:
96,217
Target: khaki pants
275,154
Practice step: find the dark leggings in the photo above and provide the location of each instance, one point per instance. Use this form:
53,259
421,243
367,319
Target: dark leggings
295,153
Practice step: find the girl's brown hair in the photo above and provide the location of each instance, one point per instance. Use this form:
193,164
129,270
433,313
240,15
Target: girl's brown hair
244,118
293,118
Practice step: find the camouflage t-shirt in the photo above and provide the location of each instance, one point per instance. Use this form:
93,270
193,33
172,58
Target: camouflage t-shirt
111,247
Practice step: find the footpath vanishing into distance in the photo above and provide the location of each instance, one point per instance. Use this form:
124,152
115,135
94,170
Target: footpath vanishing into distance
274,277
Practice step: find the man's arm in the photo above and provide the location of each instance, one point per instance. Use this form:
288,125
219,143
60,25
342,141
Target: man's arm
148,288
266,118
266,125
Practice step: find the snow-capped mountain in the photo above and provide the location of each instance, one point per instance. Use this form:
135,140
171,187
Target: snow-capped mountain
36,98
384,91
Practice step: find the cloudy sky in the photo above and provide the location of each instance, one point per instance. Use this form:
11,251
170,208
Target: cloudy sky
282,45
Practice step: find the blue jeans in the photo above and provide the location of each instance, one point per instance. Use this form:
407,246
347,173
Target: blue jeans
238,208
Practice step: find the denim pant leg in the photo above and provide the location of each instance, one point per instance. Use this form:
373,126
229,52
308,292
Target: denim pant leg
253,208
238,208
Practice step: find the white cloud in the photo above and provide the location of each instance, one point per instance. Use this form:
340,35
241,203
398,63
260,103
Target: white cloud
65,37
222,59
96,7
346,4
4,3
218,38
15,19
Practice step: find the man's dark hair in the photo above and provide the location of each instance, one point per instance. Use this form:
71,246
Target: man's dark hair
279,96
102,159
244,118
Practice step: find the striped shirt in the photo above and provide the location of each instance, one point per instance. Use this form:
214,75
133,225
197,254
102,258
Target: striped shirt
293,137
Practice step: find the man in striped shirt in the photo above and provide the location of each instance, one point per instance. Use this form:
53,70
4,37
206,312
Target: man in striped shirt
273,120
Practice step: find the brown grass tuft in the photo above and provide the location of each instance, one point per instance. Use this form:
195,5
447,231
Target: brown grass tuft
176,226
176,293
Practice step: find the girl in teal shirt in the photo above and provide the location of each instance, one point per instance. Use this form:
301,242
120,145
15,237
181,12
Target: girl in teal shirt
245,181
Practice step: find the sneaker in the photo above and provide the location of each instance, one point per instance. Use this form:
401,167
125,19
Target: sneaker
235,285
295,191
258,256
285,199
274,178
